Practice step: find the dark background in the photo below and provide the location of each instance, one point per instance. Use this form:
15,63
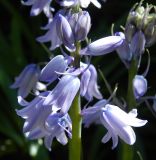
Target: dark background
18,48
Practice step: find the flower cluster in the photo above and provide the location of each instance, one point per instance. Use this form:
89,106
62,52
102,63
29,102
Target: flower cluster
55,86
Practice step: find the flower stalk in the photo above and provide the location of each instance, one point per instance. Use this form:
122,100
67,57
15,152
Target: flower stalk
128,151
75,142
131,102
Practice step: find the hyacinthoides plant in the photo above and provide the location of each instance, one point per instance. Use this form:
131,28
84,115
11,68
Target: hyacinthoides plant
57,88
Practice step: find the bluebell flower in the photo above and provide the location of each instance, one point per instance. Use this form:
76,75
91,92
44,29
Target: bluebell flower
82,3
27,80
43,121
52,34
89,87
56,64
88,80
80,24
64,93
103,46
67,28
38,6
139,86
115,120
124,51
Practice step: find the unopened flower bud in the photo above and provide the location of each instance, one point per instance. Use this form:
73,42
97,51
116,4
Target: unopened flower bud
139,86
138,44
83,25
129,32
140,30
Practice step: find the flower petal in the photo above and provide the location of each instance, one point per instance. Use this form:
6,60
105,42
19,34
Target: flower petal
138,44
38,7
64,92
62,138
57,64
103,46
84,82
48,140
93,89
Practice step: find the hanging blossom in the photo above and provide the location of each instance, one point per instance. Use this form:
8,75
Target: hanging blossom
59,65
115,120
43,121
53,106
38,6
28,81
103,46
89,87
67,28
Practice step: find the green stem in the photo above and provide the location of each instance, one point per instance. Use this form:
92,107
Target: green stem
131,102
128,151
75,143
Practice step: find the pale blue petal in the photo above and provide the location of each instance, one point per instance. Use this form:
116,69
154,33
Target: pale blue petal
37,118
48,140
57,64
103,46
106,138
27,80
70,94
38,6
93,89
127,135
35,134
22,101
47,11
64,93
62,138
117,115
114,134
124,51
29,68
51,35
84,82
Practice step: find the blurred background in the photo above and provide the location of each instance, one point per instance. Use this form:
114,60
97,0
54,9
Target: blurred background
18,48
